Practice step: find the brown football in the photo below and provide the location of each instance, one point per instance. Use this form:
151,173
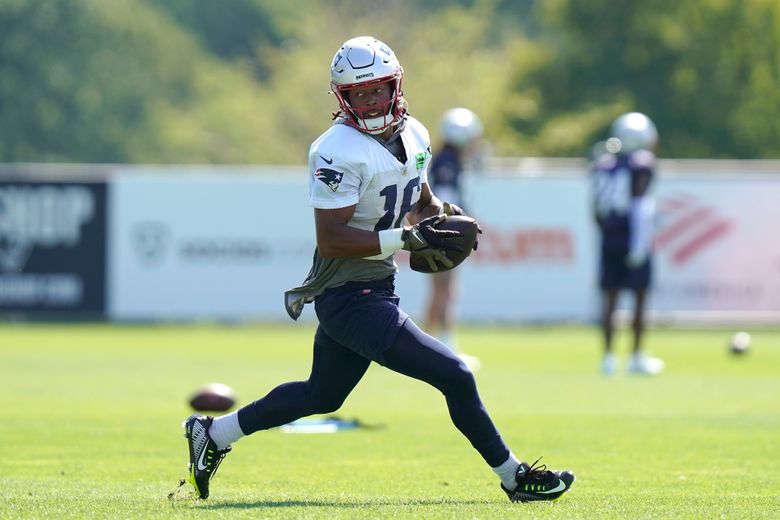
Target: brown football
214,397
468,227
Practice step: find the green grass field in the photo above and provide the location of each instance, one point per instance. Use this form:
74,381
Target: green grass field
92,413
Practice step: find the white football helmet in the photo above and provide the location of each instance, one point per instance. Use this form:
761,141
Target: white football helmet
364,61
635,131
460,126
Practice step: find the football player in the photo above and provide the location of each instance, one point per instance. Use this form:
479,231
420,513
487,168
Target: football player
461,133
624,212
369,189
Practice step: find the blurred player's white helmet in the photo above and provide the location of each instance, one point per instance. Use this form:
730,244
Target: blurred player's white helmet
364,61
460,126
635,131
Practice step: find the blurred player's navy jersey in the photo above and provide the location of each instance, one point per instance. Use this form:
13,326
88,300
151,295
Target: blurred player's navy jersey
351,168
617,180
444,175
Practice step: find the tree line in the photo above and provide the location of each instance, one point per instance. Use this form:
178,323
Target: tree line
245,81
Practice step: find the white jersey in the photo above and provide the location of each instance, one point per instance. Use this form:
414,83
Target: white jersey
350,168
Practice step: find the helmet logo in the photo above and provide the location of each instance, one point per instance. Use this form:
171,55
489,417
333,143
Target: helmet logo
361,76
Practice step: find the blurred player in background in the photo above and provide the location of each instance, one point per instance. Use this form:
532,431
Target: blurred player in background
461,133
622,170
369,188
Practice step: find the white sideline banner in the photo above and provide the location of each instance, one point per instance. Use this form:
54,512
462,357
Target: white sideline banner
208,245
717,246
716,249
535,260
225,243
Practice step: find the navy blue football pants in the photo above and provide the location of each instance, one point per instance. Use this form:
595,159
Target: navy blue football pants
336,370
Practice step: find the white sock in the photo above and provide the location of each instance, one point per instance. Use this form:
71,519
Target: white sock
225,430
507,471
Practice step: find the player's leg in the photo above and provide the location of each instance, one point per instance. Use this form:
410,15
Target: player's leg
434,314
335,372
609,360
440,317
612,268
608,304
421,356
638,323
641,363
357,321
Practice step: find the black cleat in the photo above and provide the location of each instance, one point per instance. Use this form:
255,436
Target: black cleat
539,483
204,455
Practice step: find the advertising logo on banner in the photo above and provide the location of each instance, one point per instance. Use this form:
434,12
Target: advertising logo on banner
52,247
716,248
212,245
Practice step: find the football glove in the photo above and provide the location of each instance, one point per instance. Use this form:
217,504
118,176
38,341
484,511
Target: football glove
425,240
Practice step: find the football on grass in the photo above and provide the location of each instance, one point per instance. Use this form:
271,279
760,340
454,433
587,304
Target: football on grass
740,343
214,397
468,227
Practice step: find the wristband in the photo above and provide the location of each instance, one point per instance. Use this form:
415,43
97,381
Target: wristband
391,240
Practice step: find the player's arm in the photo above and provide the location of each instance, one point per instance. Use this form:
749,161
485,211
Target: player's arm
430,205
642,214
427,206
335,239
640,183
596,189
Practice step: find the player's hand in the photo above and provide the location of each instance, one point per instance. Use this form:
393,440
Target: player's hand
452,209
636,259
426,234
424,239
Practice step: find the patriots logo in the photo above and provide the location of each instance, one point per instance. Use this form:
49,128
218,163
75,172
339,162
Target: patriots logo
331,178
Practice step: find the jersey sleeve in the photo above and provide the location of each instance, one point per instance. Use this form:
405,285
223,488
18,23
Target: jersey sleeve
333,183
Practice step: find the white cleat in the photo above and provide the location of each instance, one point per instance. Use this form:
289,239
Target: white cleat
609,365
645,365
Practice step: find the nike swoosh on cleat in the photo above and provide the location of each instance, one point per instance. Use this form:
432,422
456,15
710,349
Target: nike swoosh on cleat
560,487
202,466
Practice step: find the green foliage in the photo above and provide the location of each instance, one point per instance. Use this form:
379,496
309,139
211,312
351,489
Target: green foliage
241,29
702,70
91,427
245,81
87,85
